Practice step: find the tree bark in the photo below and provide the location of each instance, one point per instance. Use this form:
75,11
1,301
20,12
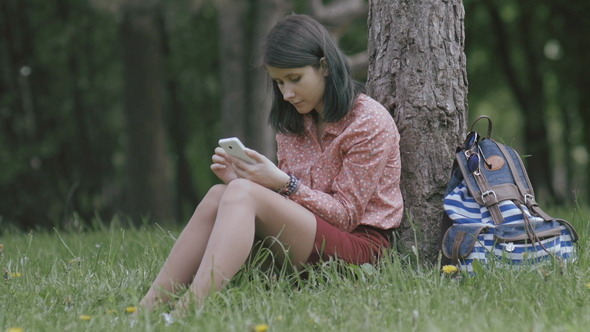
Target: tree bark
417,69
148,167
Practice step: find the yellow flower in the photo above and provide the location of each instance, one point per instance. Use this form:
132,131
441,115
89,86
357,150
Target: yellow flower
15,329
16,275
588,285
85,317
130,310
449,269
261,328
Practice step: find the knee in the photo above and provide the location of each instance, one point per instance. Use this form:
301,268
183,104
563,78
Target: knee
216,192
211,200
240,185
239,190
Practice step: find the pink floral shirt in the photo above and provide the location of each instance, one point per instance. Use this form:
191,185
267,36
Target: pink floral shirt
352,177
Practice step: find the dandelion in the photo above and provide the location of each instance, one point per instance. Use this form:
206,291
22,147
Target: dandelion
588,285
261,328
130,310
15,329
10,275
85,317
449,269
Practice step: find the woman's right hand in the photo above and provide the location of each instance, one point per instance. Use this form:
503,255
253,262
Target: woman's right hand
222,167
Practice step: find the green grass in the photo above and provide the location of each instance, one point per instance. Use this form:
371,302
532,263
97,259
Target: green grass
51,278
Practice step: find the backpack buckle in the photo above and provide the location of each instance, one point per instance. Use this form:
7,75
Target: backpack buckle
487,193
529,197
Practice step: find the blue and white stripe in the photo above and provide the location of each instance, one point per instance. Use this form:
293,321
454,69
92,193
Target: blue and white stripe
462,208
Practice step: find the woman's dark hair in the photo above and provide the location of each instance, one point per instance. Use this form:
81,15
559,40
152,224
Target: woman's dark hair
299,41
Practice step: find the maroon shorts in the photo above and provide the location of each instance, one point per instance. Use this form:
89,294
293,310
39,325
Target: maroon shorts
364,244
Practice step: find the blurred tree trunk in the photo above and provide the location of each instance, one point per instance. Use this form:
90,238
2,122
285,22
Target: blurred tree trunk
19,117
339,15
570,66
260,135
528,89
417,70
232,58
148,170
245,95
89,171
178,131
18,44
578,79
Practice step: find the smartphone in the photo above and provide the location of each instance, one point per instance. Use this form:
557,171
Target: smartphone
234,147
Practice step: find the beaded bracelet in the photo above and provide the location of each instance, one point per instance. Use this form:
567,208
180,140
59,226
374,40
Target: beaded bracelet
290,187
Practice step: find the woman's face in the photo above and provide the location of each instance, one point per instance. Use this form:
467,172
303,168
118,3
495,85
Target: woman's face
303,87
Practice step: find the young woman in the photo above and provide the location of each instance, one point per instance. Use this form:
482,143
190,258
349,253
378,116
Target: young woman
335,193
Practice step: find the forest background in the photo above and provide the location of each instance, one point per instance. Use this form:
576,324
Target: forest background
114,107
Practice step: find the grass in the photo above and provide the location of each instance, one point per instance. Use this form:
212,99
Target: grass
52,278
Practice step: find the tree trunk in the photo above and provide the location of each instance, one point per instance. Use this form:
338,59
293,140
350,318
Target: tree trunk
148,167
260,135
232,63
528,92
417,69
184,183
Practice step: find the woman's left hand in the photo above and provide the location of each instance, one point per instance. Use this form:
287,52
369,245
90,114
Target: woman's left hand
264,172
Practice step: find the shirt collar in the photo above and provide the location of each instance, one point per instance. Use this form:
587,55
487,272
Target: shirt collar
333,128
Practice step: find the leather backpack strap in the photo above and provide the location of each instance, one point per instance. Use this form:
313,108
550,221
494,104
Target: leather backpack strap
517,180
489,198
445,225
486,196
534,207
528,195
489,124
456,246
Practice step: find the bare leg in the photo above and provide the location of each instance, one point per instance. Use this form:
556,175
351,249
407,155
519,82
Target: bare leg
246,209
187,253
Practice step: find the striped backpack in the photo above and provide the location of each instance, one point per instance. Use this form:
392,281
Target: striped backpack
491,215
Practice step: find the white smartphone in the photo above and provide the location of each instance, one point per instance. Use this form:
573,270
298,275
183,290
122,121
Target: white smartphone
234,147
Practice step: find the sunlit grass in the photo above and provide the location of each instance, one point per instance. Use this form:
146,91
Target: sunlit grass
93,280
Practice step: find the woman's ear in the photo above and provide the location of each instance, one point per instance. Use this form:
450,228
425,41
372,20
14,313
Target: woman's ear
324,66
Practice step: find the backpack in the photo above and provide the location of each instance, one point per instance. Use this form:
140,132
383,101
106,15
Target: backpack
491,216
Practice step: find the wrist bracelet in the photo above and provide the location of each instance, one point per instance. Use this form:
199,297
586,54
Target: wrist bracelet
290,187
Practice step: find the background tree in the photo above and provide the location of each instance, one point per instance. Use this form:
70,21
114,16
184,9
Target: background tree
524,75
245,102
341,17
417,70
233,60
148,166
66,68
260,135
526,62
